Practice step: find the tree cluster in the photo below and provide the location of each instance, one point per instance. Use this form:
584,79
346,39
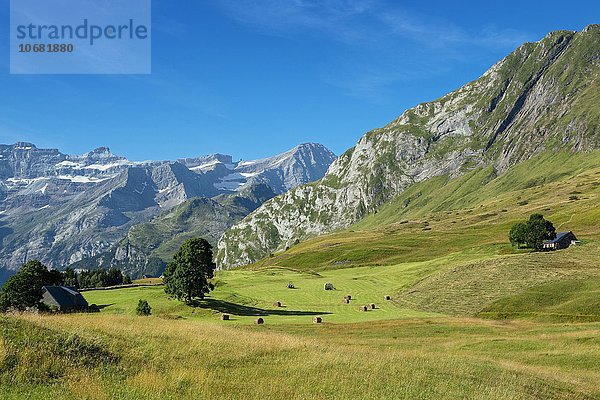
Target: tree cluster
95,278
187,276
532,233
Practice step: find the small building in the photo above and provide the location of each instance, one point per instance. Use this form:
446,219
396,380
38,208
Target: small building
562,241
64,299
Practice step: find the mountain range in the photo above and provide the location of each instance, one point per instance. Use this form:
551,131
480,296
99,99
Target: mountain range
64,209
99,209
544,96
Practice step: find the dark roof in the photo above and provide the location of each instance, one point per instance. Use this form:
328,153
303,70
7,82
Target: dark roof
559,237
65,297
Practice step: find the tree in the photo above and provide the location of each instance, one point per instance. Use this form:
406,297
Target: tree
539,230
143,308
187,276
532,233
518,234
25,289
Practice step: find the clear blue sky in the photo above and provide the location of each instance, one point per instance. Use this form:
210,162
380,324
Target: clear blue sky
254,78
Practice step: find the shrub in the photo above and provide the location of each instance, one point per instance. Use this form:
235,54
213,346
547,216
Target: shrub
143,308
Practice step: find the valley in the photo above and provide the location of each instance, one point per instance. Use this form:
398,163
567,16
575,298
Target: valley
469,316
384,273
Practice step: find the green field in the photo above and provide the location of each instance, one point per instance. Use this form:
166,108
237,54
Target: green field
469,316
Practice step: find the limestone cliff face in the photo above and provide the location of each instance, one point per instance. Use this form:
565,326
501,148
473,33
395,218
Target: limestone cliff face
544,95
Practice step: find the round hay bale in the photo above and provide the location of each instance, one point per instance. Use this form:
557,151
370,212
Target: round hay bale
388,297
348,297
225,317
372,306
317,320
277,304
346,301
259,321
363,308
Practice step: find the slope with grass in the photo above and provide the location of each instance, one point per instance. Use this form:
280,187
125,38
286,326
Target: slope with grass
542,97
568,300
469,216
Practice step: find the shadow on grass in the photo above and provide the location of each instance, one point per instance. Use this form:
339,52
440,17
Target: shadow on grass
101,306
247,311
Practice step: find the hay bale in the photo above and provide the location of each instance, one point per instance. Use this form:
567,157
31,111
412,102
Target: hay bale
346,301
363,308
259,321
277,304
388,297
372,306
225,317
348,297
317,320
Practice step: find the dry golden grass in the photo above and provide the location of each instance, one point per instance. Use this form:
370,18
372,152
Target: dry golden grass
420,358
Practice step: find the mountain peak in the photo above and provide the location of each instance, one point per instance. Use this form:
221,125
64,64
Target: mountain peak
24,146
100,152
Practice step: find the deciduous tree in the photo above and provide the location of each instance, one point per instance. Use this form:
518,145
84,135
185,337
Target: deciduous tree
187,276
25,289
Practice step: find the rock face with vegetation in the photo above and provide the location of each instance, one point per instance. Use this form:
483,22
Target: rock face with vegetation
149,246
543,96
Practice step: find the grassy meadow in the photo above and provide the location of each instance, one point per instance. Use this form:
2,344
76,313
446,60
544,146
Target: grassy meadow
469,316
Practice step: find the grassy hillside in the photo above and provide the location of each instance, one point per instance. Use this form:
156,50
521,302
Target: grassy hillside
556,286
568,300
505,287
470,215
406,348
389,352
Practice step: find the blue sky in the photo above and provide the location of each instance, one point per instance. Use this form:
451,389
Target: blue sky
255,78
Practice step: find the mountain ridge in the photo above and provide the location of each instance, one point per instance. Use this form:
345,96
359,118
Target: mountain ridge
542,96
62,208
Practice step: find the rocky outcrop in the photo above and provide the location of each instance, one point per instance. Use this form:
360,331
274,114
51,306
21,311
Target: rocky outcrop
149,246
540,97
